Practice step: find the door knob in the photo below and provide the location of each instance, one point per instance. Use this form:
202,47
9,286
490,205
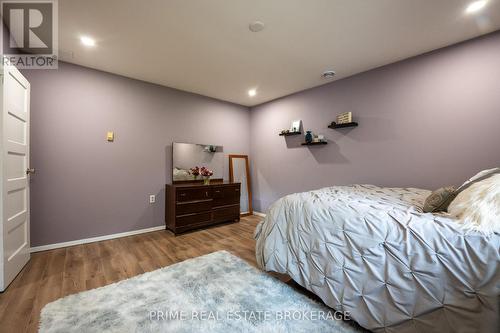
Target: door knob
30,171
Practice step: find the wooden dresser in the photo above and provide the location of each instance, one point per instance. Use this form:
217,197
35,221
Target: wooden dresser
194,205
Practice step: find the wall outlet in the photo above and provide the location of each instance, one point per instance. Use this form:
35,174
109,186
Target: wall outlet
152,198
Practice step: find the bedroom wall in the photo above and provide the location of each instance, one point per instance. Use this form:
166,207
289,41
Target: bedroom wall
85,186
426,122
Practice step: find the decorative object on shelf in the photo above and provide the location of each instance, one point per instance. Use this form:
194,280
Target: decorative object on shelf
319,138
309,137
334,125
296,125
344,118
206,174
210,149
294,129
284,132
312,139
314,143
288,133
195,172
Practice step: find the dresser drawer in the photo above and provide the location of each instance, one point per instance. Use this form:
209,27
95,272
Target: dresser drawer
227,195
189,207
192,194
193,219
228,213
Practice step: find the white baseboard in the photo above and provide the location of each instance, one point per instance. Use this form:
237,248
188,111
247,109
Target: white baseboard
259,214
94,239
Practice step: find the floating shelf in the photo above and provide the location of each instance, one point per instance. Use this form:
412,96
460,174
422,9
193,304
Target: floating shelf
335,125
314,143
290,133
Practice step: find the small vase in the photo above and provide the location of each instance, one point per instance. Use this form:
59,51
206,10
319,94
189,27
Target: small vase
206,181
309,137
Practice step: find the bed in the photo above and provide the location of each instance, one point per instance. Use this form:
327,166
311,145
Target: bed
372,251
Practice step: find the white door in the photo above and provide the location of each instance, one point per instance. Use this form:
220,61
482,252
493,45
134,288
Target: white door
14,143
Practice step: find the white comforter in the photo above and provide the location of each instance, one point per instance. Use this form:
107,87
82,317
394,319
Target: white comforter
373,252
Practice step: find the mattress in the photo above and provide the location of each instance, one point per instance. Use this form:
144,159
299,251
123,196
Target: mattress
372,251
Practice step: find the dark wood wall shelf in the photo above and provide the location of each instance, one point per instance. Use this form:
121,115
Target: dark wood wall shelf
290,133
335,125
314,143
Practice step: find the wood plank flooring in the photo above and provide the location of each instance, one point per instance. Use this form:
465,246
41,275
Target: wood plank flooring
56,273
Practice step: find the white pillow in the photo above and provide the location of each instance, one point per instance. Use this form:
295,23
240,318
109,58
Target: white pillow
479,175
478,206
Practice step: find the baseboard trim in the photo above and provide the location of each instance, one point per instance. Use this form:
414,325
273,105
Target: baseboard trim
94,239
259,214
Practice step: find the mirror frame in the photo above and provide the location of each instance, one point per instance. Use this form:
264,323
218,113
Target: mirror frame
249,182
199,181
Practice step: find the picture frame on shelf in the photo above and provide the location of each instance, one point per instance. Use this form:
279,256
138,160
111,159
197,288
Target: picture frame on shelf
296,125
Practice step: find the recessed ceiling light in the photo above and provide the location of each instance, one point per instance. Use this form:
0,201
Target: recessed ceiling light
87,41
476,6
256,26
328,75
252,92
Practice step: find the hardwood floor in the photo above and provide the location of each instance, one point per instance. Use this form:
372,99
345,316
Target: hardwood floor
56,273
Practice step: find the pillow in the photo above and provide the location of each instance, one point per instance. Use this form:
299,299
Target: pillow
443,198
439,200
478,206
479,177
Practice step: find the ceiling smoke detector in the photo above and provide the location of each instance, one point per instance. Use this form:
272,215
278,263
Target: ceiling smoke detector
256,26
328,75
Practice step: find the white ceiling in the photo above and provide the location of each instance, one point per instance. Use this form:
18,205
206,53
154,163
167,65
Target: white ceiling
205,46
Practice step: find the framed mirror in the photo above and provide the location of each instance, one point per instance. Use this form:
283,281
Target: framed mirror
239,172
189,155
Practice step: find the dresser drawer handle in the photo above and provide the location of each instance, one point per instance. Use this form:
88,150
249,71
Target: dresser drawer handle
217,191
183,194
237,190
206,194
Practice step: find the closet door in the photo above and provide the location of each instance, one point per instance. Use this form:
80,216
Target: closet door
15,172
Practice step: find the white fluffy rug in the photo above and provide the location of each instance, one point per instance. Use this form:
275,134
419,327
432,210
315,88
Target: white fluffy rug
217,292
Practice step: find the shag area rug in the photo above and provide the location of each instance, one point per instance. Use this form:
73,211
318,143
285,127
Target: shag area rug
217,292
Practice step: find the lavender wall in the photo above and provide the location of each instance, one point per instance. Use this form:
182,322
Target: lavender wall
428,121
85,186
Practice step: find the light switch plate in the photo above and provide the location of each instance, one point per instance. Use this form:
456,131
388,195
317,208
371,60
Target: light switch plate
152,198
110,136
